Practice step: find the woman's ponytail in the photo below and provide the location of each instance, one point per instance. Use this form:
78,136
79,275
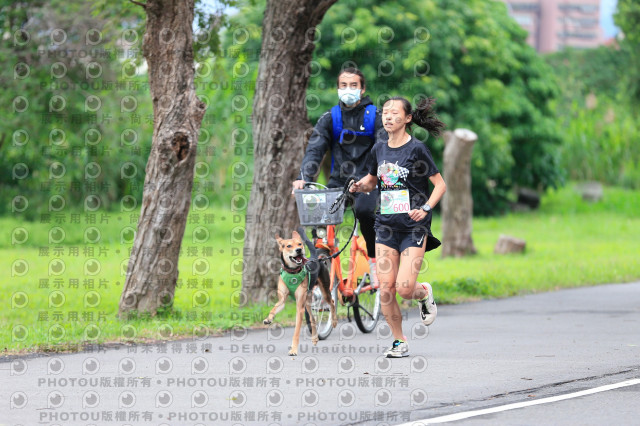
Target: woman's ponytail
425,117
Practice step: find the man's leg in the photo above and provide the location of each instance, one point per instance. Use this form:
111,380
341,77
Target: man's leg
365,210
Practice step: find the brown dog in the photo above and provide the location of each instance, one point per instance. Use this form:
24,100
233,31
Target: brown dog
294,281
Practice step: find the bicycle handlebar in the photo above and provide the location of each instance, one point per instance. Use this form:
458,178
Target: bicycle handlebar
309,184
338,202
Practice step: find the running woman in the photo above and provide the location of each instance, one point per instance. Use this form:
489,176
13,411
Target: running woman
402,168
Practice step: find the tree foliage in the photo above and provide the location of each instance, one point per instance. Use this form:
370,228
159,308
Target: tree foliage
596,114
470,55
627,17
72,71
601,70
69,87
473,58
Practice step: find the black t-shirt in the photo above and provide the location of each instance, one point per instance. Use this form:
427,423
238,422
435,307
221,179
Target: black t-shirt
407,167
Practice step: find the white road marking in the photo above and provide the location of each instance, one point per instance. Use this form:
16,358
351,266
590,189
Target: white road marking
467,414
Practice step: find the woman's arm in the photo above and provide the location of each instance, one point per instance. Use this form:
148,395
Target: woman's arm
438,191
436,195
366,184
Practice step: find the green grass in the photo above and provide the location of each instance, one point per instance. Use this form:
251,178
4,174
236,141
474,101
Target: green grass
79,319
569,243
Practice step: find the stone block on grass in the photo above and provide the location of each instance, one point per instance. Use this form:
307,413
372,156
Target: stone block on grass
507,244
591,191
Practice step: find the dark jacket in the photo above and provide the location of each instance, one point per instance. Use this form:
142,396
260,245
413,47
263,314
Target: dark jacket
350,156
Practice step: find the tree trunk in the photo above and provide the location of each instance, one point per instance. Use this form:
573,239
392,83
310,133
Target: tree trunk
280,132
177,114
457,204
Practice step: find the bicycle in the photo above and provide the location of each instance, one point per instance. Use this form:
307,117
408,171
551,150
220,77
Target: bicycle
355,290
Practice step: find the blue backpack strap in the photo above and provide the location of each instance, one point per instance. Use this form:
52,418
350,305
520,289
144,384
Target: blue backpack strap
336,118
369,120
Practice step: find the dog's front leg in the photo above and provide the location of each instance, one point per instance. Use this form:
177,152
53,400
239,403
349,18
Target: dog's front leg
283,292
300,294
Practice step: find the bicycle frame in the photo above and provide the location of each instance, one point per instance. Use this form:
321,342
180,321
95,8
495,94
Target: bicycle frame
356,291
358,263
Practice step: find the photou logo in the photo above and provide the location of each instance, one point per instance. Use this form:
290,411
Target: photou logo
199,365
346,364
275,398
418,364
164,399
346,398
310,364
275,332
90,366
164,365
237,399
310,398
90,399
55,399
18,367
237,365
382,397
274,365
127,399
19,300
126,366
382,364
199,399
418,398
92,299
18,400
55,366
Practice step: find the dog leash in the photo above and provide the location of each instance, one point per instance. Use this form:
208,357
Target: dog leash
333,256
342,197
334,208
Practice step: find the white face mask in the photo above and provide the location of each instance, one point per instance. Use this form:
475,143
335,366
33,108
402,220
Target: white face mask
349,96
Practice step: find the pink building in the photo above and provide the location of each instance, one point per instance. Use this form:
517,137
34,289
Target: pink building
554,24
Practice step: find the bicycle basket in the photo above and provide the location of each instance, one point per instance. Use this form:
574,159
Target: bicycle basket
313,206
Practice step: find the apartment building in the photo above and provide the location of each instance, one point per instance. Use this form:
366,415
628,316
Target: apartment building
554,24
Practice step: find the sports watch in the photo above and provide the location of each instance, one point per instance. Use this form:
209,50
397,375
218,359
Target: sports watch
426,208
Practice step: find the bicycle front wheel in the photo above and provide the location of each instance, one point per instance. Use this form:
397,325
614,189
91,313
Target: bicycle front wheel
321,310
366,309
322,313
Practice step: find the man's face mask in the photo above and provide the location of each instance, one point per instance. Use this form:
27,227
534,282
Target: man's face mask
349,96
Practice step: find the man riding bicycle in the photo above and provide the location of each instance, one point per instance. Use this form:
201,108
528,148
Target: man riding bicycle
349,130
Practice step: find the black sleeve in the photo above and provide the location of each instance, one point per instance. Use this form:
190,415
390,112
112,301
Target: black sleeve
424,164
372,161
319,144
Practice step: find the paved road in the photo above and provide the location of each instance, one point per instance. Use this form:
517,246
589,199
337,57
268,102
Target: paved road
475,356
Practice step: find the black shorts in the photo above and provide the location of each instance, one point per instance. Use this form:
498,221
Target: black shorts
401,240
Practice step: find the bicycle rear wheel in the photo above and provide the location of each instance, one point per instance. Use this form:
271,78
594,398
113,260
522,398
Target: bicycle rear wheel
321,310
366,309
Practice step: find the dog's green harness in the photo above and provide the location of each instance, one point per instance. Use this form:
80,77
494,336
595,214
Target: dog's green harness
292,281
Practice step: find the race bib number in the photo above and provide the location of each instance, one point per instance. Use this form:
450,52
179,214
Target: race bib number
394,202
